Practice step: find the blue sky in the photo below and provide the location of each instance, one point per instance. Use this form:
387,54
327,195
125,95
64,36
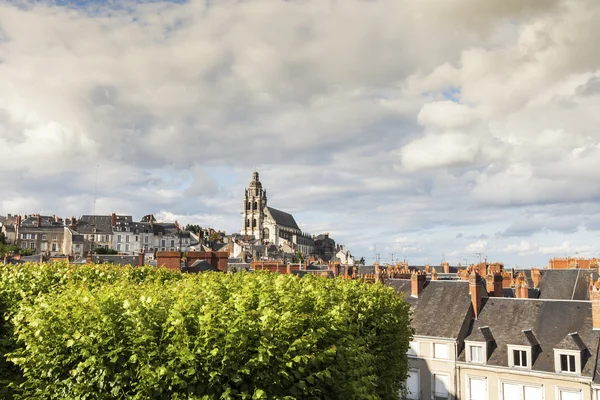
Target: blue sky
422,129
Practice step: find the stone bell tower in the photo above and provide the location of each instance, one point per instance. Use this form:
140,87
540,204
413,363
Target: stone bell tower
255,201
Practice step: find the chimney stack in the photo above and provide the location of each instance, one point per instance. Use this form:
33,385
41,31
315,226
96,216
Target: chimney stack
536,277
113,220
39,220
521,287
475,289
595,299
446,266
434,275
417,283
18,220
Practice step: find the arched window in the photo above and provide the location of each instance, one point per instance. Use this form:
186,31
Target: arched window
254,223
247,205
266,233
247,223
256,205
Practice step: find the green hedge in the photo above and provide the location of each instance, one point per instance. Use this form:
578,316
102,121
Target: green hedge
209,336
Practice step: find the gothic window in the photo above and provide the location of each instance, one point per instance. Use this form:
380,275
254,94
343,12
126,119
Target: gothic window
254,222
256,205
247,205
266,233
247,223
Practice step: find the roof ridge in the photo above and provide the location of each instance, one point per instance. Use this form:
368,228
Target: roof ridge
575,285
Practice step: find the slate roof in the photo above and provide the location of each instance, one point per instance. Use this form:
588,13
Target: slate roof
566,284
283,218
441,308
546,323
102,224
115,259
198,266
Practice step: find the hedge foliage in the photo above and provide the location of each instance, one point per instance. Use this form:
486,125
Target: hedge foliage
98,332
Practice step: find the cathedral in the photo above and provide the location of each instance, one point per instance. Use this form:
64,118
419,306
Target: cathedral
269,225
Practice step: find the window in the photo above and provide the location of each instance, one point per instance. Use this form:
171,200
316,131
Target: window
477,388
519,358
476,353
569,394
413,386
413,349
567,363
146,239
24,245
54,237
126,247
163,243
126,239
118,238
440,350
32,245
440,387
118,246
136,238
44,246
172,243
53,246
44,237
519,391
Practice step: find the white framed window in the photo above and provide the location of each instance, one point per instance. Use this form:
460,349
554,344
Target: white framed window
145,239
412,386
440,386
53,246
519,356
440,350
32,245
54,237
127,247
44,246
118,238
118,246
24,245
568,394
477,388
567,361
126,239
413,348
521,391
476,352
44,237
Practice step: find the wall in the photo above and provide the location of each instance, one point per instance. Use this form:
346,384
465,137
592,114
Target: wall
495,375
169,260
428,365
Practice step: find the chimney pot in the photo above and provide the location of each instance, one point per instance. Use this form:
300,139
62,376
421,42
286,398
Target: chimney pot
521,287
113,220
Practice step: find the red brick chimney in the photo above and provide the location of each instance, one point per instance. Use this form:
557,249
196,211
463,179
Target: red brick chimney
595,299
141,258
493,284
113,220
39,220
521,287
434,275
536,277
446,266
475,290
417,283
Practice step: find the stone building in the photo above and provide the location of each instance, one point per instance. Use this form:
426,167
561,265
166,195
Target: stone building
270,225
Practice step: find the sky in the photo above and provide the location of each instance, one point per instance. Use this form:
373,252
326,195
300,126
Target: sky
423,130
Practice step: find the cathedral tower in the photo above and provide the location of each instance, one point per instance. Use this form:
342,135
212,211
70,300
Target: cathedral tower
255,202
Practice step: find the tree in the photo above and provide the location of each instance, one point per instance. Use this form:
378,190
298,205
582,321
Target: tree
2,238
298,257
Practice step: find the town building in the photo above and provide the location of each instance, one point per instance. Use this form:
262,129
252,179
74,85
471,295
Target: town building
270,225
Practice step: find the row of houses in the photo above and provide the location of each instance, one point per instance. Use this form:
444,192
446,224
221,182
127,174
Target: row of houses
477,339
78,236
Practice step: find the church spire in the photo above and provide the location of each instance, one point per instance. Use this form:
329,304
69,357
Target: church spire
255,201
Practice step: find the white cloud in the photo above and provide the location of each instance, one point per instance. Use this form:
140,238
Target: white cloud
358,124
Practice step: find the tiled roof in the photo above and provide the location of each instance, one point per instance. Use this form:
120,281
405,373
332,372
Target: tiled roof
566,284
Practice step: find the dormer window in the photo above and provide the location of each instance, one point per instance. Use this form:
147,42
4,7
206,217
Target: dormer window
567,355
519,356
476,353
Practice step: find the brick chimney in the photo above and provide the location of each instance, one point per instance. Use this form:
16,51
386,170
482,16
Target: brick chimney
595,299
39,220
446,266
73,223
475,290
141,258
18,220
434,275
521,287
536,277
417,283
113,220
